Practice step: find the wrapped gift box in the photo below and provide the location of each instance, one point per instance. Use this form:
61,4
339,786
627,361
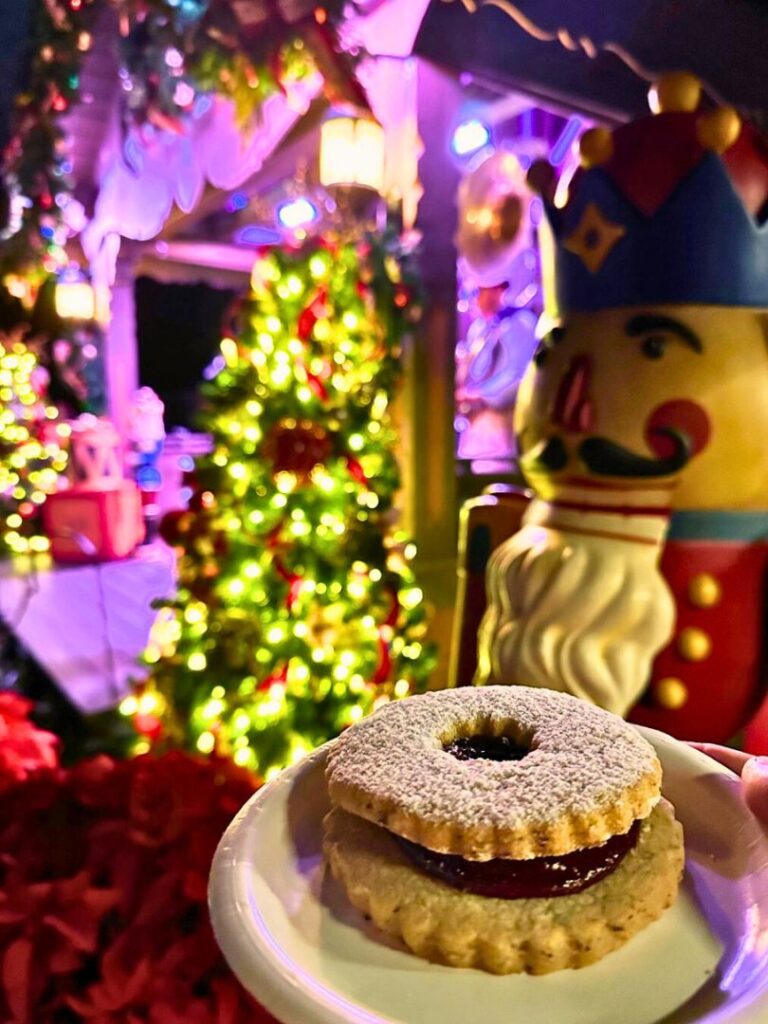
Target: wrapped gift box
94,525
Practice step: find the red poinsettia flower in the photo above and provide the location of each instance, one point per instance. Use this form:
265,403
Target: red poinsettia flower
49,929
24,749
103,877
101,783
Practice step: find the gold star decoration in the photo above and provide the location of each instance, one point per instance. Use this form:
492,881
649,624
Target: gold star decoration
594,238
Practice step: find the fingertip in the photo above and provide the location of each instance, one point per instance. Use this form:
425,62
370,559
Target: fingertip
755,777
726,756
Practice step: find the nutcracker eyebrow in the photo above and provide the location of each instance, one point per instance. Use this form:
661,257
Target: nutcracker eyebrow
646,323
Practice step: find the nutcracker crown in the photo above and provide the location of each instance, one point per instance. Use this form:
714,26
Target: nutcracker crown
670,208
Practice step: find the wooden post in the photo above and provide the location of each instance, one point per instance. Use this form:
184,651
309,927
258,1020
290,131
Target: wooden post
428,401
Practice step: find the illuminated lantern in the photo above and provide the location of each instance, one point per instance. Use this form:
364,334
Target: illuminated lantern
75,297
352,153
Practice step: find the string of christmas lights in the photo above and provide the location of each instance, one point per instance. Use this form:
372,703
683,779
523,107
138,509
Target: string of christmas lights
298,611
32,458
35,192
176,51
173,53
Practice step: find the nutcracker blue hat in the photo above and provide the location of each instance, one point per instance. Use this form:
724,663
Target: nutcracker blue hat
671,208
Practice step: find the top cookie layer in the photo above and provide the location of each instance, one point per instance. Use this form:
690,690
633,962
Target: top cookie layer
588,776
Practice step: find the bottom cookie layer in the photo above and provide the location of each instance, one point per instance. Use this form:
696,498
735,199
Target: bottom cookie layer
502,936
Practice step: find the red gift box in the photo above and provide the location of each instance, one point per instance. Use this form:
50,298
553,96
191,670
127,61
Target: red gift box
88,525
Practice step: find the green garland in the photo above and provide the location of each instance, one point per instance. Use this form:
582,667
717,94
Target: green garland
172,50
34,168
174,53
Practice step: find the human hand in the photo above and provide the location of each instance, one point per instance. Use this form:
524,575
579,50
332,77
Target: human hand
753,772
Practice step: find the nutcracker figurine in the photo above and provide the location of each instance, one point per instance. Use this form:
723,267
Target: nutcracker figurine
146,436
639,577
146,433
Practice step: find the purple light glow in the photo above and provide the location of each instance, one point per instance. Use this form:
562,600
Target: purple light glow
183,94
214,368
173,58
563,143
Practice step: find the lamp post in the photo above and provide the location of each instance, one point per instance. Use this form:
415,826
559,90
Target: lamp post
352,164
75,298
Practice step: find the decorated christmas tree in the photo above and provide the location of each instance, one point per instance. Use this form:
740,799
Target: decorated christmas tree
31,459
297,611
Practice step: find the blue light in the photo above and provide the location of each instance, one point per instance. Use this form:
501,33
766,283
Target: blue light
237,201
295,213
255,234
563,144
469,137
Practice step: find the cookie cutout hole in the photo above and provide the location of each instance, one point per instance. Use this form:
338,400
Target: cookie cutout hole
486,747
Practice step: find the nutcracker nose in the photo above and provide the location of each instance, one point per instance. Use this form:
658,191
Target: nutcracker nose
573,409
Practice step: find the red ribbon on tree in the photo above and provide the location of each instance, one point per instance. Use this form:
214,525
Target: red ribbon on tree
394,610
293,580
384,667
316,386
278,676
356,470
312,312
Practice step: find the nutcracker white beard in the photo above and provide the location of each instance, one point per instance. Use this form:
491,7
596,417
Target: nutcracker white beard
577,611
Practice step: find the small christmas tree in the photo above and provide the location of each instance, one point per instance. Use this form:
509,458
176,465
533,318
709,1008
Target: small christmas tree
31,459
297,611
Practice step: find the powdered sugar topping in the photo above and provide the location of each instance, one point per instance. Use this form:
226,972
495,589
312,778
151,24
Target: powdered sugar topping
581,759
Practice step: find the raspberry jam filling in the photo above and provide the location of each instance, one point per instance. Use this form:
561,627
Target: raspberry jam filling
490,748
526,879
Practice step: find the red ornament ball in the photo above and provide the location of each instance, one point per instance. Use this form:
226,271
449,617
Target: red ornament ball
173,526
296,447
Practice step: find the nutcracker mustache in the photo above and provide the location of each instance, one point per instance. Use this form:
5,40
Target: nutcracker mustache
606,458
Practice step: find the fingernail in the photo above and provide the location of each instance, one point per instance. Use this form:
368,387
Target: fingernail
759,765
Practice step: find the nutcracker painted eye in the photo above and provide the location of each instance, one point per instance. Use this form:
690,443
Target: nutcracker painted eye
540,355
654,346
547,343
657,332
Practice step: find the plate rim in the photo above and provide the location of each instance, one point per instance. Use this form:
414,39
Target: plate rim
284,995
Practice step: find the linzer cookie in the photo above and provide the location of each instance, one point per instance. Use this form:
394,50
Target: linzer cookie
505,828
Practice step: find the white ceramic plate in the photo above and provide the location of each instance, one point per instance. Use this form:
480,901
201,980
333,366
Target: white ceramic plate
296,944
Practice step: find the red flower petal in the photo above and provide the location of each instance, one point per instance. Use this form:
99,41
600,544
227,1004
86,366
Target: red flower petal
17,978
